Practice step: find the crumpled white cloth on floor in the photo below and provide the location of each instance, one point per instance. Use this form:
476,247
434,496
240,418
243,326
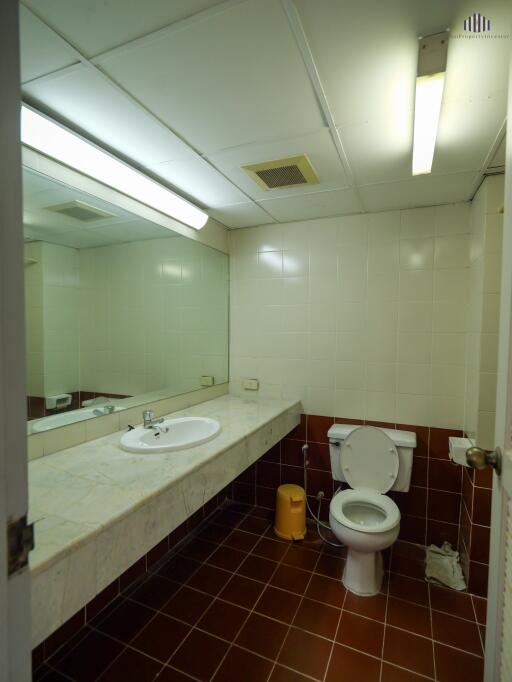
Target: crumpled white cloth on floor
443,566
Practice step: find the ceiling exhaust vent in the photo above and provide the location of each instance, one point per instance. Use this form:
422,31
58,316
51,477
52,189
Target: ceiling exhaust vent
292,172
81,211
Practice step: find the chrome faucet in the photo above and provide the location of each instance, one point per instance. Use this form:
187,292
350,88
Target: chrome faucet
150,421
107,409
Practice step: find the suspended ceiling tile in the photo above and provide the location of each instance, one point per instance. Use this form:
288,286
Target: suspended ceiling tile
94,105
318,146
316,205
467,131
241,215
41,50
95,26
200,181
366,54
231,80
422,190
380,149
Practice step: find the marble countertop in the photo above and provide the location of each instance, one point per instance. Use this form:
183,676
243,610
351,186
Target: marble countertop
75,493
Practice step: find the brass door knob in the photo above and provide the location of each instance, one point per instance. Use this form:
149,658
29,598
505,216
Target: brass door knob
478,458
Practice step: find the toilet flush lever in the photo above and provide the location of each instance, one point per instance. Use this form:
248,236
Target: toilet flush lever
478,458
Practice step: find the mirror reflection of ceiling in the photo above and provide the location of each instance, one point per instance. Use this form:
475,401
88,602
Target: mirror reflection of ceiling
194,89
42,222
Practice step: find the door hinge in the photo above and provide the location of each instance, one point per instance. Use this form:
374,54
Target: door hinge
20,542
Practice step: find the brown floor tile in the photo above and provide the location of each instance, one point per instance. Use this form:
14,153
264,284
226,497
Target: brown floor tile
179,569
48,674
187,605
172,675
451,602
326,590
223,620
291,578
227,557
371,607
280,674
391,673
209,579
199,655
262,635
270,549
262,513
278,604
347,664
214,533
409,589
300,557
258,568
305,653
456,632
131,666
318,618
161,637
254,524
361,633
330,566
240,664
126,621
242,591
408,616
409,651
90,657
241,540
480,609
228,518
154,592
452,665
199,550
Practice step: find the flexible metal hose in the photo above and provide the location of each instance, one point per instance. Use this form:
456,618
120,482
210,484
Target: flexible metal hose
319,522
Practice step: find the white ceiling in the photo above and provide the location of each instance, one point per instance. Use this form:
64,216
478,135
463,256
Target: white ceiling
191,90
40,224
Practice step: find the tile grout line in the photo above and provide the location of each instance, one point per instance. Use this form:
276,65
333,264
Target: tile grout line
385,615
432,631
293,618
335,635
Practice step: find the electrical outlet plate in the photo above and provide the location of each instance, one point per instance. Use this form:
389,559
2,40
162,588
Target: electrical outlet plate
207,381
251,384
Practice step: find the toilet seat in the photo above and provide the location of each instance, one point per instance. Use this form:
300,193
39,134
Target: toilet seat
369,459
347,505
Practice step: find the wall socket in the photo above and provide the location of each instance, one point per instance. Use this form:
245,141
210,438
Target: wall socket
207,381
251,384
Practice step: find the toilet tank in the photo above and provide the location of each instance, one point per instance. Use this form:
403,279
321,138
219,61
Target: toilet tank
405,442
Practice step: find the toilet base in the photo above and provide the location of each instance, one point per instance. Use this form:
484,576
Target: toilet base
363,573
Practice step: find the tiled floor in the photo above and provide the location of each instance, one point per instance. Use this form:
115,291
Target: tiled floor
238,605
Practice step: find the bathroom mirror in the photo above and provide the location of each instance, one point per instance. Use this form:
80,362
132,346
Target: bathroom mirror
120,311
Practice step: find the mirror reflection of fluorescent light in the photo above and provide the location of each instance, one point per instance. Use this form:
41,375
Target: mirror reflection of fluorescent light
427,108
52,139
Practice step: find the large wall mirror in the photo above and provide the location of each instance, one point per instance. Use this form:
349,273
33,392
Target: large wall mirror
120,311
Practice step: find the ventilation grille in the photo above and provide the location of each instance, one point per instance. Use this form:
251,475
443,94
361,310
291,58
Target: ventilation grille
81,211
291,172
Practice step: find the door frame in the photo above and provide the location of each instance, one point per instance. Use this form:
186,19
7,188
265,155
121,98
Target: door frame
502,488
15,617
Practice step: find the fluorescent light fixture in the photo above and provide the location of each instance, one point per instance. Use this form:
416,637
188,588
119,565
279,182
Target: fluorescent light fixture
427,108
54,140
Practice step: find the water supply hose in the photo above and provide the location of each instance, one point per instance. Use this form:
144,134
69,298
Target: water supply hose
319,522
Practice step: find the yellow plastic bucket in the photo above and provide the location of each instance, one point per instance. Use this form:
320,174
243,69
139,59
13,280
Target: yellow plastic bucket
290,522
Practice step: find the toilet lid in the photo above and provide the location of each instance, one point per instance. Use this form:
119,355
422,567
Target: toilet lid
369,459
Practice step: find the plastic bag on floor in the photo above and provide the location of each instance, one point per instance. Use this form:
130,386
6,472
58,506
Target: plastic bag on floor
443,567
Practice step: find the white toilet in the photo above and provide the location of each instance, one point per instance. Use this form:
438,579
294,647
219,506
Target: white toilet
372,461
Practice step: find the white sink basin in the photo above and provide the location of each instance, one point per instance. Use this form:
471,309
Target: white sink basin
170,435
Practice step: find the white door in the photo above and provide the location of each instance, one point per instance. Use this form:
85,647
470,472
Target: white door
14,589
498,644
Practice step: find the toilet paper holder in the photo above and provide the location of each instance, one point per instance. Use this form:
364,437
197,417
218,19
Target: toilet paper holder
478,458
